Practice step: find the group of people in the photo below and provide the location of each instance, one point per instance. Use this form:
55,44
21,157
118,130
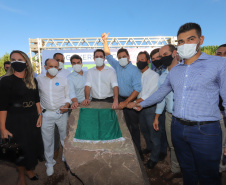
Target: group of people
171,96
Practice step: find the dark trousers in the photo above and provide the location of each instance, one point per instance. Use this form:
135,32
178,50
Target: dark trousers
162,129
132,122
152,137
198,149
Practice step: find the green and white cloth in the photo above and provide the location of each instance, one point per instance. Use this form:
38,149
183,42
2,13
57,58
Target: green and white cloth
98,125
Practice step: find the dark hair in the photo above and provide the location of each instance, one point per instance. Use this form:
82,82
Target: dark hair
98,50
153,52
75,57
57,54
171,47
221,46
190,26
146,54
6,62
46,61
122,50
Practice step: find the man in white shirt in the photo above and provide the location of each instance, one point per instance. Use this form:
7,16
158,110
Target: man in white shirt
59,57
101,82
76,81
54,98
149,83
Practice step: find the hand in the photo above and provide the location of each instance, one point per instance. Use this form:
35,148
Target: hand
5,134
86,102
115,105
156,124
131,105
138,107
64,109
104,36
39,121
122,105
74,105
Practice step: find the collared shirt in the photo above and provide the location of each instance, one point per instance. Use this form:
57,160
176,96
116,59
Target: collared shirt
63,72
129,77
76,84
101,82
196,89
54,92
168,100
149,81
160,70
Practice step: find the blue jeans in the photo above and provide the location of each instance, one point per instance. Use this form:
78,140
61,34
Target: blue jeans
198,149
152,137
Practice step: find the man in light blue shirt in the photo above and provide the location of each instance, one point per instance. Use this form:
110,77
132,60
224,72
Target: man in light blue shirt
197,82
168,55
129,83
76,81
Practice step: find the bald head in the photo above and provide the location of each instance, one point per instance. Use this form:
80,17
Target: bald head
49,63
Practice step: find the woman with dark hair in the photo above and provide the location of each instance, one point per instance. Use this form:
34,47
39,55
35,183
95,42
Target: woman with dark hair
20,112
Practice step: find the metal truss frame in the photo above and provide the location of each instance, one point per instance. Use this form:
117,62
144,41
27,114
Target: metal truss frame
39,44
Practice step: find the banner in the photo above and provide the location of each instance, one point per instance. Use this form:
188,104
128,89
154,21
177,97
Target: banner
87,56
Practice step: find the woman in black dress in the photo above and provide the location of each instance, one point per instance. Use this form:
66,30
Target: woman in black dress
20,112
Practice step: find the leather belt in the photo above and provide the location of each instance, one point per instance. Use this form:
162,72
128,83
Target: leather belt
193,123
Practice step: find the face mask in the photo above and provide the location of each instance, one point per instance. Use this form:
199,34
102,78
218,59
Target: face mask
141,65
167,60
123,61
61,65
99,62
77,67
52,71
187,51
157,63
19,66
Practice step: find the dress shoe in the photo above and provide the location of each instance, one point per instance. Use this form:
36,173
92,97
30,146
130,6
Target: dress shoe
34,178
150,164
141,155
162,156
49,171
170,175
146,151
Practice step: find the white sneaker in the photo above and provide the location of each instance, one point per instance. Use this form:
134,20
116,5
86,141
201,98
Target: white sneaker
49,171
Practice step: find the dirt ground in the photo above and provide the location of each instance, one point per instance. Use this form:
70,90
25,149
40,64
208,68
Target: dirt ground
8,174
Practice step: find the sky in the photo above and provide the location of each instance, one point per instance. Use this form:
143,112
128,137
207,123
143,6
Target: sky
24,19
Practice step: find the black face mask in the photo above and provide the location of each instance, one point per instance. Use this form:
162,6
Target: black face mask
157,63
141,65
167,61
18,66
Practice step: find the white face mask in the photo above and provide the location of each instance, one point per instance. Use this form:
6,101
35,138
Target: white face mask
61,65
52,71
77,67
187,51
123,61
99,62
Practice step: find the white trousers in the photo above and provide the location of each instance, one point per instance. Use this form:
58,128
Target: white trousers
49,119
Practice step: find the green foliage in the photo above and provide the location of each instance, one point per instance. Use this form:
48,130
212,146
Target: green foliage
2,60
209,50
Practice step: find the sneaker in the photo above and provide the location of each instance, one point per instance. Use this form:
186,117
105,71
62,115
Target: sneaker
49,171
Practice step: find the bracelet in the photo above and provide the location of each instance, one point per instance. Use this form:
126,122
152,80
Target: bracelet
135,102
40,114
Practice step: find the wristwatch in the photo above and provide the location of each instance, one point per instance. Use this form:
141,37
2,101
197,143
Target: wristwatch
135,102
